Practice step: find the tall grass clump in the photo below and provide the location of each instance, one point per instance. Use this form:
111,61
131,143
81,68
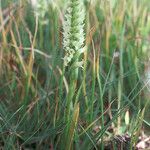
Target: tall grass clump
73,44
98,98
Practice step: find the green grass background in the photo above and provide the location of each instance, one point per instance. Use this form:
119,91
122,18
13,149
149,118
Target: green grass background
33,86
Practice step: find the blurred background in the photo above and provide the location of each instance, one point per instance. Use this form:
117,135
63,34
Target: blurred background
116,70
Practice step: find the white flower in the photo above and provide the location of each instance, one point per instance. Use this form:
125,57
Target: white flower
73,26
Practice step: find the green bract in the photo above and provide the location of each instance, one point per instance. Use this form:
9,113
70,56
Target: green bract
73,26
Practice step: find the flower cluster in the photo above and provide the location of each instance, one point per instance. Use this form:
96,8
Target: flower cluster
40,8
73,27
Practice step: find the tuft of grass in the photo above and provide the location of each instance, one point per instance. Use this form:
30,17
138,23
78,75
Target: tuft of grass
70,82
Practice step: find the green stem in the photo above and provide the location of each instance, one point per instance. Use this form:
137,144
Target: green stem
72,88
101,102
